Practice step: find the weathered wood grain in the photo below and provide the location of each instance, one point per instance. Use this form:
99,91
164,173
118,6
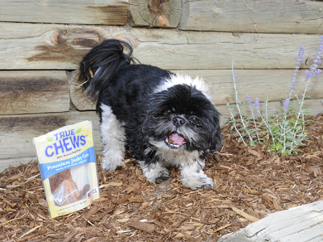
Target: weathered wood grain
253,16
33,92
155,13
39,46
62,47
6,163
108,12
303,223
17,131
271,84
80,100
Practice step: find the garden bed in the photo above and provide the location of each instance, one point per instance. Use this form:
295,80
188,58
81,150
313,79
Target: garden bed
249,184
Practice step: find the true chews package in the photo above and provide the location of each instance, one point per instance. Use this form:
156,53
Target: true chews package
68,167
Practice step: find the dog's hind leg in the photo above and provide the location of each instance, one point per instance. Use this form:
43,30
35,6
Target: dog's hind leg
113,140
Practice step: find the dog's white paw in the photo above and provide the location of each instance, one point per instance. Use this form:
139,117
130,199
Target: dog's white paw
154,172
198,181
107,164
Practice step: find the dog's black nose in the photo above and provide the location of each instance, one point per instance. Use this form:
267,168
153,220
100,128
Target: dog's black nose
178,121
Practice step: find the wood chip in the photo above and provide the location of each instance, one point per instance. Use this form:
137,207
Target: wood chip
134,187
222,227
112,184
70,236
245,215
149,228
30,231
253,152
95,208
124,199
136,200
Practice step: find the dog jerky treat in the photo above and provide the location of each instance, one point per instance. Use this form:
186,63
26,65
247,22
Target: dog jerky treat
67,163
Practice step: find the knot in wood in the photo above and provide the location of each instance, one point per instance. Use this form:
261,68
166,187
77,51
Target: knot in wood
56,38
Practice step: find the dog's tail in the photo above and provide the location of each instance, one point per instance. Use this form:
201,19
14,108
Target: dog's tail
101,64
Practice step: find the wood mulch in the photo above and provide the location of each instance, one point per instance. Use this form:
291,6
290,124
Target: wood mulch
249,184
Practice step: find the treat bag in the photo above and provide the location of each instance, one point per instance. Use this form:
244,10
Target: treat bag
68,167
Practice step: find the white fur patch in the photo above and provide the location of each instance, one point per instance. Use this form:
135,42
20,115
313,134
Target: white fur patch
153,171
113,140
184,79
194,177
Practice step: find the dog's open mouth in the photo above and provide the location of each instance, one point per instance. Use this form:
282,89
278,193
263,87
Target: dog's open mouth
175,140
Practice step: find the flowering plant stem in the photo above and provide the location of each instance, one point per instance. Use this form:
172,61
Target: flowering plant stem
254,121
235,126
238,104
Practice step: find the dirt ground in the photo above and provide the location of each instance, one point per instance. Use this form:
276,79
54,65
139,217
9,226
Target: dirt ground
249,184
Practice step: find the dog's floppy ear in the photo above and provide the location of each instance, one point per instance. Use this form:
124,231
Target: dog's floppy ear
215,142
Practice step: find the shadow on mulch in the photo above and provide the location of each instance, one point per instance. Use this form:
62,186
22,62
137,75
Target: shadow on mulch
249,184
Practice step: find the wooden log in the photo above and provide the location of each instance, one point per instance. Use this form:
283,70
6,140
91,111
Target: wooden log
13,162
33,92
155,13
25,46
271,84
44,46
303,223
108,12
17,131
253,16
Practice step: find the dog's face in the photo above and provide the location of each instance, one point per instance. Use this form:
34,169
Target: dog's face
182,117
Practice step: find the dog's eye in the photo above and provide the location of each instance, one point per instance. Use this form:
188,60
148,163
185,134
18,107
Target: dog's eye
195,121
171,110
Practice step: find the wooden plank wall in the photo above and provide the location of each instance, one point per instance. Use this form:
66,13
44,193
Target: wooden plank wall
42,43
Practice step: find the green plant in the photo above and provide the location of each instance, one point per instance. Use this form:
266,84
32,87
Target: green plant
284,132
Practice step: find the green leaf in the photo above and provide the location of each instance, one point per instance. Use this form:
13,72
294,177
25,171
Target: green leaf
278,146
50,138
79,130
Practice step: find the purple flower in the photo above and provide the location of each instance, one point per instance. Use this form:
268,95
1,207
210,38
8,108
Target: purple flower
257,104
249,100
308,75
299,60
314,70
286,104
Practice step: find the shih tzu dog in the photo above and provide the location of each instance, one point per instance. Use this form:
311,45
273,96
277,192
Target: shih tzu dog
164,119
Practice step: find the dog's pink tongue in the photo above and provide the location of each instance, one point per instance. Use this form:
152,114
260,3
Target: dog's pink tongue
177,139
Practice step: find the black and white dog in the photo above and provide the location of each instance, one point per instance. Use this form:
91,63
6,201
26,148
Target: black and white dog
165,119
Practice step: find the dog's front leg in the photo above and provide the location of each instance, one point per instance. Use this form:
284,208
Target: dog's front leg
192,175
154,172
